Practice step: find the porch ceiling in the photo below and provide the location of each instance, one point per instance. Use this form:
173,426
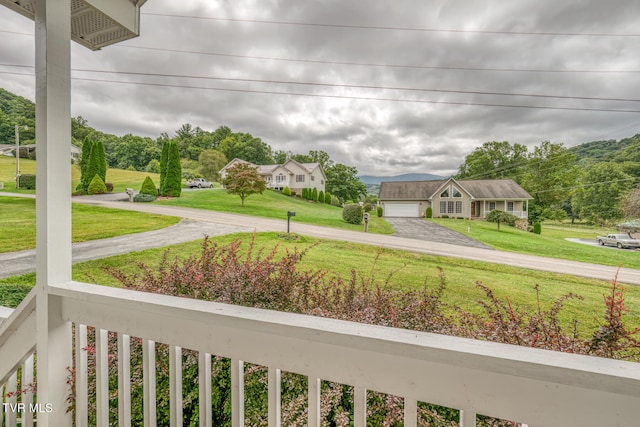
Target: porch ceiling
94,23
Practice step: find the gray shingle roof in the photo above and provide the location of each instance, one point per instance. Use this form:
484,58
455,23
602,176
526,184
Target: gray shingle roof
491,189
408,190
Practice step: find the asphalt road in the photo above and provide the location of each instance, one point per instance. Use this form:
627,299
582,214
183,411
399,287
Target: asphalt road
581,269
224,222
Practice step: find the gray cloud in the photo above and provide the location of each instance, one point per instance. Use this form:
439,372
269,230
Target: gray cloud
378,137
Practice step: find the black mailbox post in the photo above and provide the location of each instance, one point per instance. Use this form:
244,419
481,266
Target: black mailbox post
289,215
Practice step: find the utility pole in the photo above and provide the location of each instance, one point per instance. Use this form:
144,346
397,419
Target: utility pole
17,157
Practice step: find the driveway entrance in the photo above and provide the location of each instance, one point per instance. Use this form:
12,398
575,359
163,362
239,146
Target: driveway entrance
421,229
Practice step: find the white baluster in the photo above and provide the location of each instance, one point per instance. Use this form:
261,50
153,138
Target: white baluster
149,379
204,384
82,382
237,393
359,407
410,412
27,393
314,402
175,386
102,378
124,380
275,384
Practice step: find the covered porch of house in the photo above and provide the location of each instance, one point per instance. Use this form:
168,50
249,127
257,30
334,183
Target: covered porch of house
481,208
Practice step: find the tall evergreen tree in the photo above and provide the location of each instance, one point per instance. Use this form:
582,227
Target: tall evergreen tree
100,159
87,145
163,165
173,178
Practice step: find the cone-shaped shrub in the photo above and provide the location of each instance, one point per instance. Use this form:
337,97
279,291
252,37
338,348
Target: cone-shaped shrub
97,186
314,194
286,191
148,187
321,197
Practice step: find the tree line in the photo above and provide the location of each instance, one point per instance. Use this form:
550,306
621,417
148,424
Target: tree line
596,189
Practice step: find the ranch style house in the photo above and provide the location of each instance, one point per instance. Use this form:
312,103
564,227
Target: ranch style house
453,198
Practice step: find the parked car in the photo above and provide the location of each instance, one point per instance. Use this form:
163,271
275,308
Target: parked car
620,240
199,182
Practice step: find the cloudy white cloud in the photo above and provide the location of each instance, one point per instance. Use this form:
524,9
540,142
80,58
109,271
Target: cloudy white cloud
378,137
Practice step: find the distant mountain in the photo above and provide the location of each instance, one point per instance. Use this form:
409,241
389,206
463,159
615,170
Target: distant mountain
606,151
375,180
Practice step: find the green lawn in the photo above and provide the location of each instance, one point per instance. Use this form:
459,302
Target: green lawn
551,243
273,204
121,179
407,271
18,217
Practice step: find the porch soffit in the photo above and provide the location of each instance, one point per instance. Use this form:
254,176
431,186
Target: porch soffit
94,23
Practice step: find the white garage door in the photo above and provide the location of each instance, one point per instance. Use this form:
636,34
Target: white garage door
406,210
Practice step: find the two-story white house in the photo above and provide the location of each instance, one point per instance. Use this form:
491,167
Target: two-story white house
292,174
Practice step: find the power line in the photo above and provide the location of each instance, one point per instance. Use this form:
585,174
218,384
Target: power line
339,85
371,64
383,65
389,28
362,98
419,101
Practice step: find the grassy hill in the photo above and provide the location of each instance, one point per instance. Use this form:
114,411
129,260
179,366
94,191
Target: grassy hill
273,204
121,179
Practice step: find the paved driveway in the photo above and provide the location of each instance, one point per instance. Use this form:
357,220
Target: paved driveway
418,228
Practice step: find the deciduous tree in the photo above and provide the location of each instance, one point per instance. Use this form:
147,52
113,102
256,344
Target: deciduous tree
551,174
211,161
601,190
495,160
244,180
343,182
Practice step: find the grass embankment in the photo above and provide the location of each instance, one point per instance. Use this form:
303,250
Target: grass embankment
551,243
273,204
121,179
18,223
406,271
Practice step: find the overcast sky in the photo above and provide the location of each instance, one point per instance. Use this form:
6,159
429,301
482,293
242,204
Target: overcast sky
594,52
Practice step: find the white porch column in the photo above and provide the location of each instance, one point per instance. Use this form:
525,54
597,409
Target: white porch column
53,205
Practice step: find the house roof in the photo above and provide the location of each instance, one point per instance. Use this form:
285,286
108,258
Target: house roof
408,190
268,169
489,189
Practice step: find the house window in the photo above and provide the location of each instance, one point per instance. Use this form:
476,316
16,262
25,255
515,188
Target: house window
445,194
443,207
267,178
299,178
458,206
450,207
509,206
280,178
322,181
313,178
456,193
492,206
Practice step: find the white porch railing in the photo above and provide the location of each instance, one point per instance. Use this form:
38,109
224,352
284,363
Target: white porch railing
536,387
519,214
